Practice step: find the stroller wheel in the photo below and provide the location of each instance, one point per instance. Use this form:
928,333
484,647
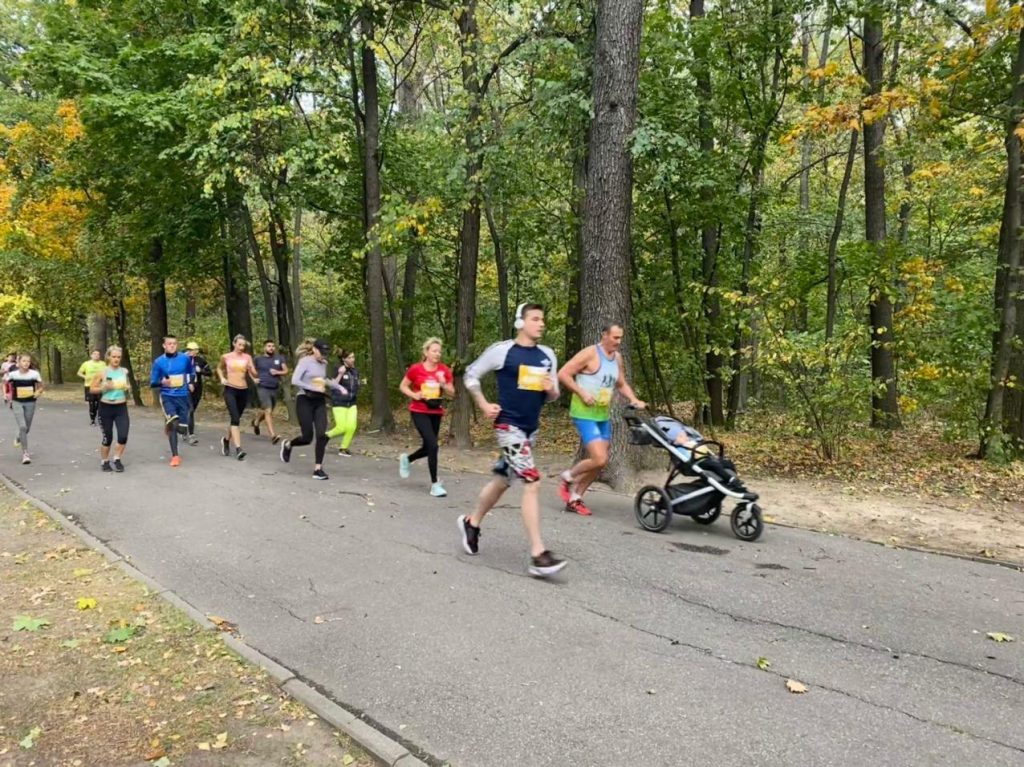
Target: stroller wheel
746,522
653,508
709,516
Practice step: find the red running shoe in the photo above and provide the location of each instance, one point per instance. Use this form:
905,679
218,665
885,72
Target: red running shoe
578,507
563,489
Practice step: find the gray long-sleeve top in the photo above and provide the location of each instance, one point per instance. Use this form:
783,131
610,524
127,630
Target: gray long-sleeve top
308,369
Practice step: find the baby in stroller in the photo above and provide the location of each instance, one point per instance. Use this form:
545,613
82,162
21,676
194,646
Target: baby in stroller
689,439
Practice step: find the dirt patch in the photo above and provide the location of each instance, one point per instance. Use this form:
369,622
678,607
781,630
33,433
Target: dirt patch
95,670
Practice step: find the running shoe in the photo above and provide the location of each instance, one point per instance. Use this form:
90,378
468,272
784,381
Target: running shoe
225,446
17,441
105,466
169,423
546,564
175,461
286,451
344,452
192,439
182,429
564,489
275,439
239,454
470,535
403,466
319,474
92,422
118,466
578,507
437,490
26,458
255,427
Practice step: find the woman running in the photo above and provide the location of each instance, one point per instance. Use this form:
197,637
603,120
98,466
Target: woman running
423,384
232,370
344,405
311,404
24,385
112,382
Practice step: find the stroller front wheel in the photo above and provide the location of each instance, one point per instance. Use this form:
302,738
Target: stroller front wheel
653,508
746,522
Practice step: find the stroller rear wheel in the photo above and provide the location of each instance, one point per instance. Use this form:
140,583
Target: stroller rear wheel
709,516
746,521
653,508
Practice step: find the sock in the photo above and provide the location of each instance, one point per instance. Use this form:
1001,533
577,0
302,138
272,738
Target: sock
574,496
567,476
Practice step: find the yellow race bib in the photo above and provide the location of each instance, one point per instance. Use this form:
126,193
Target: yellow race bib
603,398
532,378
430,389
318,384
176,381
24,392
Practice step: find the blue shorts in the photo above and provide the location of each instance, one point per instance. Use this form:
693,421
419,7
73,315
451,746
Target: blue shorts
179,406
591,430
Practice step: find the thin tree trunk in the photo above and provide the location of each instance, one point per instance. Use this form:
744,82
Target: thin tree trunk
832,291
884,401
244,218
57,373
121,327
502,269
300,329
573,330
412,265
157,316
606,263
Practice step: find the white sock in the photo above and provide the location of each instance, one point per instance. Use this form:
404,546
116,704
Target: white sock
574,496
567,475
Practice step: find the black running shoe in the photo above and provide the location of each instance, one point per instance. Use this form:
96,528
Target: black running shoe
118,466
470,535
320,474
225,446
105,466
344,452
255,427
275,439
286,451
546,564
239,454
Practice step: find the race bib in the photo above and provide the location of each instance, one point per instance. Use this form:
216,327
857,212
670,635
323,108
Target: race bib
176,381
532,378
430,389
603,397
239,365
119,383
24,392
318,384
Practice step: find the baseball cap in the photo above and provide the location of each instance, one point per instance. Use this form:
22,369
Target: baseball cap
322,346
192,346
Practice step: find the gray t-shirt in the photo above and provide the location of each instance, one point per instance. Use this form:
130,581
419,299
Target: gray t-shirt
264,365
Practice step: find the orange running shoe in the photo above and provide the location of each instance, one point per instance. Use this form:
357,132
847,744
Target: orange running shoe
175,461
578,507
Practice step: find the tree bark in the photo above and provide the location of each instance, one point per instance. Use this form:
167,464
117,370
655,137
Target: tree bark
57,373
121,326
98,331
381,416
408,320
502,269
884,401
157,318
243,221
1008,282
832,291
300,327
605,266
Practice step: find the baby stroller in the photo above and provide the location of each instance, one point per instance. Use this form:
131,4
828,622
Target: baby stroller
701,498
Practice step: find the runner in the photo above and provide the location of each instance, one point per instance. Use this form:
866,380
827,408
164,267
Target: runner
23,385
525,372
195,394
112,382
344,405
10,362
423,384
271,368
311,405
88,371
232,370
171,373
593,376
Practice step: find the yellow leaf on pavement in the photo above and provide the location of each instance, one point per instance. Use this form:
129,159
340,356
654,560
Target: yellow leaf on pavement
86,603
795,687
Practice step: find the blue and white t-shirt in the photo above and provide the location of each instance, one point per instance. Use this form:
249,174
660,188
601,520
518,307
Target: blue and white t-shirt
521,373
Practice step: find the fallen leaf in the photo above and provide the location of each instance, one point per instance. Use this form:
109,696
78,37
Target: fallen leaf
25,623
71,644
86,603
795,687
163,761
764,664
30,740
203,746
122,634
318,619
157,753
999,636
222,741
347,759
81,572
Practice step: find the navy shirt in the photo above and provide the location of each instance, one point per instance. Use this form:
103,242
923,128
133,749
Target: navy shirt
521,372
264,365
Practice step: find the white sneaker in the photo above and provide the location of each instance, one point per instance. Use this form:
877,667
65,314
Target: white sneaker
437,490
26,458
403,466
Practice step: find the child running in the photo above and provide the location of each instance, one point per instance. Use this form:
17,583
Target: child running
525,371
23,385
423,384
112,382
311,404
232,369
343,406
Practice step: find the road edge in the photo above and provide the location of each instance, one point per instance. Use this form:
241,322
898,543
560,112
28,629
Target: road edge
369,736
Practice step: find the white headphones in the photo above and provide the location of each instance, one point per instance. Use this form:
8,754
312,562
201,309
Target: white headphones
520,323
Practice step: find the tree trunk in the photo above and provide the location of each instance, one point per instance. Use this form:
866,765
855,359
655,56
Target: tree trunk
573,334
381,417
1008,279
502,269
884,402
57,372
469,232
412,264
157,317
605,266
98,330
300,329
121,326
832,291
282,267
243,221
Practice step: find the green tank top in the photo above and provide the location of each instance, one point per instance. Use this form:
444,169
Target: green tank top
118,395
601,385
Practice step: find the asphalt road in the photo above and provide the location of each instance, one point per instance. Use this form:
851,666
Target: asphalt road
644,652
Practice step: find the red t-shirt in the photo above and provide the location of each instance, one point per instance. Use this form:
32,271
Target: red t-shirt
429,383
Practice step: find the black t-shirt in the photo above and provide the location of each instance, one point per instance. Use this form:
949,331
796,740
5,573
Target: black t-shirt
264,365
23,385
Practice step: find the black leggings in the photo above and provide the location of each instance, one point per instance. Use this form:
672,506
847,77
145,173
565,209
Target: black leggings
112,415
429,426
195,397
312,413
94,403
236,400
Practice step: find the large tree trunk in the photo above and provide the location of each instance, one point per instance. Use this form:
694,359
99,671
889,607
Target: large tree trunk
157,318
884,402
469,232
1008,282
605,271
98,332
381,417
57,372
